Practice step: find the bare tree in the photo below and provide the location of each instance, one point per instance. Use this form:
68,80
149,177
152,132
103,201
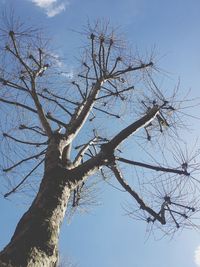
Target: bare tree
54,122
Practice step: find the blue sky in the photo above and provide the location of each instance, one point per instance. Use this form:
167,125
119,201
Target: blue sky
105,237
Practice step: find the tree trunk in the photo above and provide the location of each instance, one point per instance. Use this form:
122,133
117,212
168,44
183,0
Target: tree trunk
35,241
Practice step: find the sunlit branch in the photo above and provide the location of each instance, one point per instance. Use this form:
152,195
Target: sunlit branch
155,168
24,160
40,111
81,153
25,178
84,109
132,128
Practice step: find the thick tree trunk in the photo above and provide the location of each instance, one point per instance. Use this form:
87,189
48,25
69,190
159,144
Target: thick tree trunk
35,241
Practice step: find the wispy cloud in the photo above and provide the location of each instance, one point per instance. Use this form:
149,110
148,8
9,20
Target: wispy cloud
197,256
51,7
65,70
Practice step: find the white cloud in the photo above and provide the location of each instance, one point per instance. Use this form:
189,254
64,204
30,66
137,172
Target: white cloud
44,3
56,10
197,256
65,70
51,7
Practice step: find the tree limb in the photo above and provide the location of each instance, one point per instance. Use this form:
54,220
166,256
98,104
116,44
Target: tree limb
24,142
18,104
156,168
81,153
24,160
83,111
40,112
25,178
57,103
132,128
129,69
139,200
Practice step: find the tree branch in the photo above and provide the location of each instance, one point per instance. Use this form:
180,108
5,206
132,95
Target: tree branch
60,97
129,69
13,85
40,112
81,153
35,129
25,178
18,104
83,111
57,103
17,54
132,128
139,200
106,112
156,168
24,142
24,160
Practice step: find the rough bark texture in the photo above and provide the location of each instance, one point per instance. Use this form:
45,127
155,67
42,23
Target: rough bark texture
35,241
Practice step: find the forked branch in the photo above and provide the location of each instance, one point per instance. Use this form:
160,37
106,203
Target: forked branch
82,152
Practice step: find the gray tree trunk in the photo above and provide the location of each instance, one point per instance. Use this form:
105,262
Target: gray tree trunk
35,240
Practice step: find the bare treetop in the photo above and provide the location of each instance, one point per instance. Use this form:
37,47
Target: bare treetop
93,116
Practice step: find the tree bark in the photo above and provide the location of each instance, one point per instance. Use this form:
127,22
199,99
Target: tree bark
35,240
